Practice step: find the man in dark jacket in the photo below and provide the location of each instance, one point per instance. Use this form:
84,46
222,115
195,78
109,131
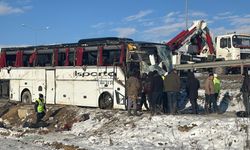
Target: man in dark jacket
156,89
148,89
245,89
193,85
133,88
144,89
172,87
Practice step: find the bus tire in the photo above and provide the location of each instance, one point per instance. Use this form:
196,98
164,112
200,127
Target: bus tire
105,101
26,97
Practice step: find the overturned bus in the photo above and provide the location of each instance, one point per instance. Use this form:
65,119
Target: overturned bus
91,72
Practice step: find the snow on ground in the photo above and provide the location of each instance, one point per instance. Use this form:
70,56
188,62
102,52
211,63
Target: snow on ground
113,129
146,132
10,143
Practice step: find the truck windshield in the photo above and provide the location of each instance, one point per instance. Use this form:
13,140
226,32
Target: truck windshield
240,41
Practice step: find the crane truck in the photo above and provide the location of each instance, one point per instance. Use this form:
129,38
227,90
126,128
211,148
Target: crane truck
196,45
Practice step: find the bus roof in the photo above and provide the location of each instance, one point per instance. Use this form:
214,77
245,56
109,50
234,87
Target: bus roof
104,41
41,47
148,43
84,42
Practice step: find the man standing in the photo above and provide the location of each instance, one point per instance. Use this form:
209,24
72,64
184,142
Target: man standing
156,89
245,89
133,90
143,92
193,85
209,94
148,89
172,88
217,86
40,108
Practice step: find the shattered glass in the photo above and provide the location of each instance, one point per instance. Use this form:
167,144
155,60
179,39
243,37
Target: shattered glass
165,60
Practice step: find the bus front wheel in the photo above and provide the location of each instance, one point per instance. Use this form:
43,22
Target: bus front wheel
26,97
105,101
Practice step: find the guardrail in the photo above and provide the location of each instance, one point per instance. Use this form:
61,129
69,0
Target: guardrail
228,63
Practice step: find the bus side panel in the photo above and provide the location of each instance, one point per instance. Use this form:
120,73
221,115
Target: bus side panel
14,90
38,88
64,92
4,74
26,81
38,80
85,93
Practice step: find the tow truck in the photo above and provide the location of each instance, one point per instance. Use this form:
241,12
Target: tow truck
195,45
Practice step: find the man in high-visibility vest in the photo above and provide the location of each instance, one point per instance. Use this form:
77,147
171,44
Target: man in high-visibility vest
40,108
217,86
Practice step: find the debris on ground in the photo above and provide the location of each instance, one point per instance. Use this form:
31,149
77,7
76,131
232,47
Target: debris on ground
186,128
55,119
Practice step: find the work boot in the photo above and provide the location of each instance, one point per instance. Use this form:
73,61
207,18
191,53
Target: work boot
135,113
129,112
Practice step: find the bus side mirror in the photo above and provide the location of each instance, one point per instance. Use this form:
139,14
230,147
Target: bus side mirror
8,69
84,67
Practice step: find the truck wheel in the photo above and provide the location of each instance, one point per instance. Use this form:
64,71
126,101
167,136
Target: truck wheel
105,101
26,97
220,70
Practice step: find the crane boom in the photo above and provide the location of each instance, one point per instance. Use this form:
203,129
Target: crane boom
197,35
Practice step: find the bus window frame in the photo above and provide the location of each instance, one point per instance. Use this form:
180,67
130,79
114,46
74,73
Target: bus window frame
46,53
114,55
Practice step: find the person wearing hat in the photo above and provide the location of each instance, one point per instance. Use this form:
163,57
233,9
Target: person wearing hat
40,108
245,89
217,86
209,94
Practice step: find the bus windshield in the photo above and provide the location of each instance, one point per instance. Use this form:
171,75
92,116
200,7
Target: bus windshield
240,41
161,56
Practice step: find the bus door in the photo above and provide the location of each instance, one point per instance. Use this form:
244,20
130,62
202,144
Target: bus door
119,86
50,86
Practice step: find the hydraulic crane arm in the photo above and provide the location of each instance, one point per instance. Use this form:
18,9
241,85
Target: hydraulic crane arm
195,35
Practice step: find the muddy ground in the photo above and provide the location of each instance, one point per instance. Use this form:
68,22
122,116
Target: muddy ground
58,118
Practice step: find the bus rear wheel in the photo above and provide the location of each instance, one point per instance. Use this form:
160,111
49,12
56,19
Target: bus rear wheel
26,97
105,101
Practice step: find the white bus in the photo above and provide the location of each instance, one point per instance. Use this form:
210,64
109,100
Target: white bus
90,73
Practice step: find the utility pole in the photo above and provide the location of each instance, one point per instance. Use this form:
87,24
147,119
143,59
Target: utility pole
186,14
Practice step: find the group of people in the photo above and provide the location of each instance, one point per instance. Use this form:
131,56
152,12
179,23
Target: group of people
162,92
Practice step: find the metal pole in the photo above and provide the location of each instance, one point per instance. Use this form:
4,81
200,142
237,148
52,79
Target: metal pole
186,14
241,68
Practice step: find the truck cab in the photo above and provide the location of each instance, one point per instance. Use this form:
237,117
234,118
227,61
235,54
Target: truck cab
232,46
